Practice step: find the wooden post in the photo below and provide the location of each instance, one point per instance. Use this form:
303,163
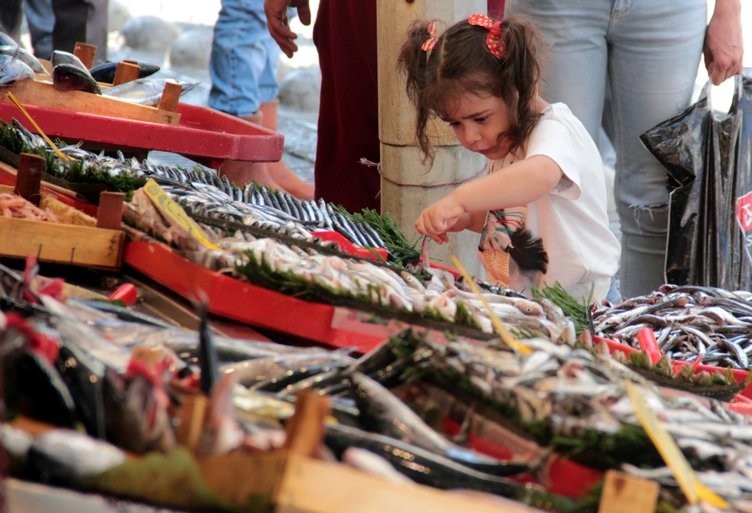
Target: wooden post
110,210
29,177
407,185
170,97
125,72
86,52
623,493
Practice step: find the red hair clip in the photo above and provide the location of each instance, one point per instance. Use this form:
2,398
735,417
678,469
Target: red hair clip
429,43
493,40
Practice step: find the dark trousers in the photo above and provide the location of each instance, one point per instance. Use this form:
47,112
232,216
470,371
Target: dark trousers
348,126
74,20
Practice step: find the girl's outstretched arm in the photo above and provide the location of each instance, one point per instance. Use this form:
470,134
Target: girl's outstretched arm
518,184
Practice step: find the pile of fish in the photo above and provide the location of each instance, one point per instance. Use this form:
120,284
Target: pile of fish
204,193
692,324
82,363
576,401
70,74
109,371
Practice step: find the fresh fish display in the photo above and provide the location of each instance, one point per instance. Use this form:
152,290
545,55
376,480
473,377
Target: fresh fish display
579,395
146,91
692,324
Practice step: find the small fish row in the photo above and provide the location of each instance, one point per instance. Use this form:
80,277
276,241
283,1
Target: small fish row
310,215
440,298
691,323
315,214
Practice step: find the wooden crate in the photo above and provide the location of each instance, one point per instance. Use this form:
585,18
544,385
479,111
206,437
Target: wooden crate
80,243
298,484
43,94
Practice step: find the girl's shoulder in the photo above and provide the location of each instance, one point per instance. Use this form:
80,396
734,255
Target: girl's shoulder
559,117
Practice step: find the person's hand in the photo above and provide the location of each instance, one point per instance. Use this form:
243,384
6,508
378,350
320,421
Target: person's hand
723,42
440,218
279,24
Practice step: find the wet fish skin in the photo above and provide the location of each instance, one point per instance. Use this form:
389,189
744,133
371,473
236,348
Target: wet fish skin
25,56
12,70
420,465
105,72
383,412
68,77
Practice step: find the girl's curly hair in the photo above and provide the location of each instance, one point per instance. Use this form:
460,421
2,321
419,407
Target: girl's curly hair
460,62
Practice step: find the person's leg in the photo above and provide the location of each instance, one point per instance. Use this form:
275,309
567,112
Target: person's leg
348,125
653,62
269,90
235,65
237,58
575,54
41,21
10,18
80,21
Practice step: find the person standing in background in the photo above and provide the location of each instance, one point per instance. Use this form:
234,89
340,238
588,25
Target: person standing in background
243,70
348,124
634,63
67,21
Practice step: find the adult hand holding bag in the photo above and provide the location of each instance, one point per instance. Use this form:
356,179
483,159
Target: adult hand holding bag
707,155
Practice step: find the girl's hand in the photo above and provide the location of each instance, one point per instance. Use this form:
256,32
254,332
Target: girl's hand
441,217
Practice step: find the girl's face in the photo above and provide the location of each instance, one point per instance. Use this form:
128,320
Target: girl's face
478,121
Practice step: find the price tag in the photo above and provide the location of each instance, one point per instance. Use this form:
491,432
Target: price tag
176,214
692,488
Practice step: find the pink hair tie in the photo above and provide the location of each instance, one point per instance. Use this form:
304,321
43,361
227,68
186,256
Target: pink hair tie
429,43
493,40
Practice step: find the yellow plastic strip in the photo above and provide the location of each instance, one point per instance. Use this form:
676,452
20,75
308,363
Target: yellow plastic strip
60,154
504,334
176,214
692,488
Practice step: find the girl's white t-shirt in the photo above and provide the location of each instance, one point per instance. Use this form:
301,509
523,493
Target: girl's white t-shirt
572,220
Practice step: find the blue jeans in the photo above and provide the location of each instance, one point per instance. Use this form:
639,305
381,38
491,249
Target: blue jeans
244,59
632,64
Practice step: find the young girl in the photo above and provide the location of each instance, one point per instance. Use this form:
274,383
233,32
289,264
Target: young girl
544,187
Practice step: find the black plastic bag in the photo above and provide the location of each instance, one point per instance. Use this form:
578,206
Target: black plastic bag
708,158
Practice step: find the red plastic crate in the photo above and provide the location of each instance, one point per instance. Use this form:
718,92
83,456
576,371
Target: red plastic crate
256,306
740,376
203,134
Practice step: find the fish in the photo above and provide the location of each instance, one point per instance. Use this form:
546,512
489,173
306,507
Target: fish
105,72
383,412
208,359
136,418
70,74
25,56
12,69
146,91
255,372
66,456
68,77
31,384
422,466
